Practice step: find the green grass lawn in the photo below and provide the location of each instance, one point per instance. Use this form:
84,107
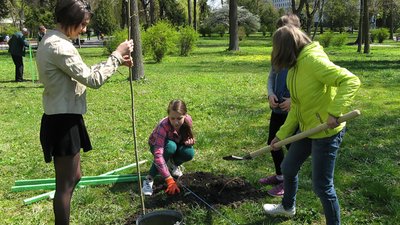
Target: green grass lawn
226,96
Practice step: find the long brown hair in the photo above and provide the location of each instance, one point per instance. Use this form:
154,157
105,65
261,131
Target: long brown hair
288,41
179,106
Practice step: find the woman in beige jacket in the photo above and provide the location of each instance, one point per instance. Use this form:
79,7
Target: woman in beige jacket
65,78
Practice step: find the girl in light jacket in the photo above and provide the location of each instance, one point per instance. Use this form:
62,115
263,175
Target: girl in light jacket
320,92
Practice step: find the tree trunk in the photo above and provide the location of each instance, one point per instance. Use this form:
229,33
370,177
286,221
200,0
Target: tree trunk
195,14
233,26
360,27
366,28
391,24
299,9
310,15
138,68
161,6
152,13
145,12
319,23
124,17
189,12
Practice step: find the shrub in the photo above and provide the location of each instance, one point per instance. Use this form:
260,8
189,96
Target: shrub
263,30
325,39
187,39
248,31
205,29
339,39
241,33
117,37
159,40
381,34
220,29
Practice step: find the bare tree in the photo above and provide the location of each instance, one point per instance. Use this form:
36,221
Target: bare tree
138,68
189,2
310,14
195,14
366,28
145,3
124,14
360,27
298,10
320,16
152,13
233,26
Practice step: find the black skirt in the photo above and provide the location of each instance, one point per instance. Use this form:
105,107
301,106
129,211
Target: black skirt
63,135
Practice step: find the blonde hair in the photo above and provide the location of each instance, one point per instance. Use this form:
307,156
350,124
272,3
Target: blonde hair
288,41
288,19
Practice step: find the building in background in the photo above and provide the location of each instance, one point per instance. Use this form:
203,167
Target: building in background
282,4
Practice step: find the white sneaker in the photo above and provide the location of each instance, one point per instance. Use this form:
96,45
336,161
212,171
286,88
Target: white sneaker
147,188
278,210
176,171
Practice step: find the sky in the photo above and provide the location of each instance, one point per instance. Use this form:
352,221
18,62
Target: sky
214,3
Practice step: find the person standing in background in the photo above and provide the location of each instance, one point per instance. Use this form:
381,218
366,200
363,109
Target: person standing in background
6,38
41,33
279,102
17,44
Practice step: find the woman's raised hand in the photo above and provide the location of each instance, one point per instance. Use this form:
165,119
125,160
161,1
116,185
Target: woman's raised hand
125,48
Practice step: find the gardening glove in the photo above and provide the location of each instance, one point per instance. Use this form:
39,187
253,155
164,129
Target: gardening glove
172,186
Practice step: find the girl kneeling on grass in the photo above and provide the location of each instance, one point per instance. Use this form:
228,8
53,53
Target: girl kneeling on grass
171,143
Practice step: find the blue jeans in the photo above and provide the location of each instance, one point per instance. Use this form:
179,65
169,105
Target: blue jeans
323,152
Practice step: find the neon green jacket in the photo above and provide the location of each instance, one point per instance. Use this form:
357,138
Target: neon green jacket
317,88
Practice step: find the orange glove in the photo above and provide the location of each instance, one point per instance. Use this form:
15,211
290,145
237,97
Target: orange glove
172,186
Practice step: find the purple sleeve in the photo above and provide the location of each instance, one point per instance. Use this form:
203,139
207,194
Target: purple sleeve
157,140
189,120
160,163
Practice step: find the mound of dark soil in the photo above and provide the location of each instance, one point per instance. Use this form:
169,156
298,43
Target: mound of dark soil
201,188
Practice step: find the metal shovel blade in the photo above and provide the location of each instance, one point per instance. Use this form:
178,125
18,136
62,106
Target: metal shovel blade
234,157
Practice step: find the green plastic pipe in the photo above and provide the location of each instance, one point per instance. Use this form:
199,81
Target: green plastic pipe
52,186
52,180
33,71
50,194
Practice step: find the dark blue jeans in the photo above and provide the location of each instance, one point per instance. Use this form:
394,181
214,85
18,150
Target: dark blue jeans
323,152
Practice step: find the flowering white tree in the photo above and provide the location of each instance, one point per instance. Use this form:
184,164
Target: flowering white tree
245,18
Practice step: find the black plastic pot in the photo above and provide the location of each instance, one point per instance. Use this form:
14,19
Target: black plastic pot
162,217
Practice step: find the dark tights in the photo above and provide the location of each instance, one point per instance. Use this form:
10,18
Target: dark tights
68,174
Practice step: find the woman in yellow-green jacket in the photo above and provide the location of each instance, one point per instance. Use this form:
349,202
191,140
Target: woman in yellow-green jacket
320,92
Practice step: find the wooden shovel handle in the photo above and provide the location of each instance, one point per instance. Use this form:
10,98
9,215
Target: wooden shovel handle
304,134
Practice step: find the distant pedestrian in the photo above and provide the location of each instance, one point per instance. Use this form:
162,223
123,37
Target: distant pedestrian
279,102
97,34
6,38
17,44
41,33
88,33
